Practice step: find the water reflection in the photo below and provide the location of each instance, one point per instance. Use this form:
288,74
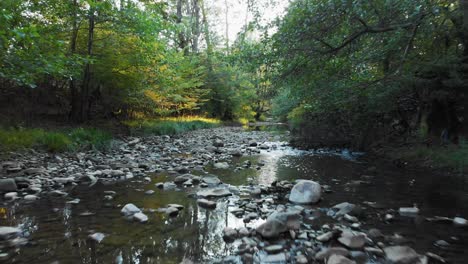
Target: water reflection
59,232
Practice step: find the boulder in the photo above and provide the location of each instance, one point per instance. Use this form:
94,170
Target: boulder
7,232
7,185
460,222
401,254
305,192
140,217
327,252
338,259
279,222
353,240
130,209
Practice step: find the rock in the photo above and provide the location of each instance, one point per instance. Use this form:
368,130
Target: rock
206,203
117,173
169,186
400,254
344,208
408,211
98,237
374,251
375,233
325,237
442,244
7,185
217,192
274,249
7,232
88,178
436,257
140,217
58,193
338,259
229,234
211,180
350,218
221,165
171,211
305,192
11,196
31,197
65,180
130,209
149,192
460,222
218,143
327,252
279,258
182,178
353,240
301,259
279,222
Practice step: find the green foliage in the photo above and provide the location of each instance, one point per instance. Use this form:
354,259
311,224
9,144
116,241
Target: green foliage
441,157
355,60
76,139
170,126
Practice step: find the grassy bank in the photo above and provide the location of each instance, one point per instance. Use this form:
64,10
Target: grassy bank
451,157
53,141
170,126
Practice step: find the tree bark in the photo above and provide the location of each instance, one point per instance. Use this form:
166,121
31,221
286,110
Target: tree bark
74,96
87,74
196,25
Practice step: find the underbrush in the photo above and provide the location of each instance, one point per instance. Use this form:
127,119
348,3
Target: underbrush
170,126
53,141
452,156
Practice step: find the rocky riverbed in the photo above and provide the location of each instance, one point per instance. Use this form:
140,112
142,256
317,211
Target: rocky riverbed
225,195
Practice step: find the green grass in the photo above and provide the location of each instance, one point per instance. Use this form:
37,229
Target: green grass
170,126
53,141
452,156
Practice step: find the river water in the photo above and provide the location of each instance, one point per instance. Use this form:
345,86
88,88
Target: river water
58,231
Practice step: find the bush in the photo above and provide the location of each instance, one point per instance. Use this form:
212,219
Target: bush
80,138
171,126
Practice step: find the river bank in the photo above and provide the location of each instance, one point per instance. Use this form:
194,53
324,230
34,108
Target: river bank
222,195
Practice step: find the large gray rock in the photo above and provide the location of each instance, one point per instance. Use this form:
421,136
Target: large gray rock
279,222
327,252
7,232
338,259
217,192
305,192
8,185
401,254
211,180
140,217
130,209
353,240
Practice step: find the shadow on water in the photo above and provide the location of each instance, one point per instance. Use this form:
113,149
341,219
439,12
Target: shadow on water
58,231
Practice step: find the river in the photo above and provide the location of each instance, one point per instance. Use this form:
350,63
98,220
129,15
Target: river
58,232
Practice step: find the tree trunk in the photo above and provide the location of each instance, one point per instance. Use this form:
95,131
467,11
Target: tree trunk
74,96
464,8
227,25
87,74
181,35
195,26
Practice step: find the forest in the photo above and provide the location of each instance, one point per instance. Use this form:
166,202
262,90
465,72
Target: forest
346,72
233,131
